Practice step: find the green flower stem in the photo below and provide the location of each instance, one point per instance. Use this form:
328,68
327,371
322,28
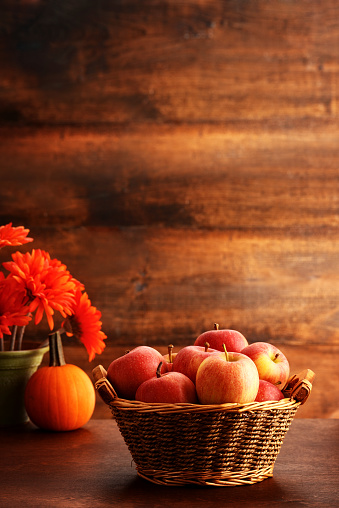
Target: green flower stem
13,338
21,334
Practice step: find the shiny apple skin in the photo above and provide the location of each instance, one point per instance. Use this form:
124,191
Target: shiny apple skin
129,371
220,381
267,391
171,387
234,341
271,363
189,358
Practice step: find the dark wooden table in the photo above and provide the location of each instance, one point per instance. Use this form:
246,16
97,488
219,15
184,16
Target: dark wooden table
92,467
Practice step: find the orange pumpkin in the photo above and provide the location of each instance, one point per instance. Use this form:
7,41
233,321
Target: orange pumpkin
59,397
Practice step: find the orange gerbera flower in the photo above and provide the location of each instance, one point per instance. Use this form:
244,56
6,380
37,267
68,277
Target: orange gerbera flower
13,236
85,325
47,284
57,264
12,310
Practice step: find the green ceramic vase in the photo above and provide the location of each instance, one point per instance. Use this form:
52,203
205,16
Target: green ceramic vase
16,367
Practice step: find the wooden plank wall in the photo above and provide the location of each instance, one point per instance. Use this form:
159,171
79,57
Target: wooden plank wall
181,158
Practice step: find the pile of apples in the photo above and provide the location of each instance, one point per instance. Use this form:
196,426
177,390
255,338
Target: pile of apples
220,367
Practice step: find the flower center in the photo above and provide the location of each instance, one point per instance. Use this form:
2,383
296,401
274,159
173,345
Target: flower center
72,325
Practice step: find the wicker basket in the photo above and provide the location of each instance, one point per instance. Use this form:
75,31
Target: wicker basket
218,445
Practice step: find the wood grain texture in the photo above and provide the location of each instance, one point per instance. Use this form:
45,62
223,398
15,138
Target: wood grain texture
165,253
199,61
207,177
166,288
181,158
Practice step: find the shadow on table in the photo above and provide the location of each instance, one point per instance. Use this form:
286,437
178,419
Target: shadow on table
141,493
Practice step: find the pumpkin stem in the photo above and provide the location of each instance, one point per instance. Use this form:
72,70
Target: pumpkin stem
56,352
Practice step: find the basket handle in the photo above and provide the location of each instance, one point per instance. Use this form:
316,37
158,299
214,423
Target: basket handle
299,386
102,385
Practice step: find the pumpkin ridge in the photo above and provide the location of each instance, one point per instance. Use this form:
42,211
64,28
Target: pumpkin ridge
54,398
66,397
33,397
45,396
86,406
73,383
42,401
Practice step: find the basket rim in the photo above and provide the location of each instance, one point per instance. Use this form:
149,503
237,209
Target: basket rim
296,392
164,408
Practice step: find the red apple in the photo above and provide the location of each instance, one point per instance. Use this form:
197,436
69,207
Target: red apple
168,359
271,363
229,377
268,391
171,387
233,340
189,358
127,372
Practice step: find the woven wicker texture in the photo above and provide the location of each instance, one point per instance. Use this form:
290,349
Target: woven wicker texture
218,445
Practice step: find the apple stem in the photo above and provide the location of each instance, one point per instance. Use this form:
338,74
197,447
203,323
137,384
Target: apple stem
159,369
226,353
216,326
170,356
206,346
276,356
